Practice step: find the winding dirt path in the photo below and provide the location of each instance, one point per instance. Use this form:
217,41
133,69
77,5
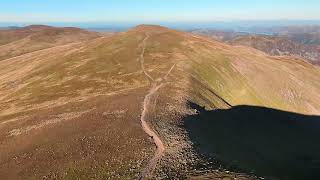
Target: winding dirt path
149,104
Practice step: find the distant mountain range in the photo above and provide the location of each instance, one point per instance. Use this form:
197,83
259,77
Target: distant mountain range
299,41
280,46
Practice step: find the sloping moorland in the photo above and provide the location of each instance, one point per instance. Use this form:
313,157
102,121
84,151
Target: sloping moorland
74,110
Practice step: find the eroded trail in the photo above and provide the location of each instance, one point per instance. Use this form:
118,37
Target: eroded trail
149,104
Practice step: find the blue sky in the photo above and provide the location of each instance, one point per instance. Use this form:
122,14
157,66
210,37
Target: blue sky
156,10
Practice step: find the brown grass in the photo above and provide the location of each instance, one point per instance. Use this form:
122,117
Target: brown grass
78,105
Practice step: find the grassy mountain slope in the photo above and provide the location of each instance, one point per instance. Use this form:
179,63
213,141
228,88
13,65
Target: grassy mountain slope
243,75
79,105
15,42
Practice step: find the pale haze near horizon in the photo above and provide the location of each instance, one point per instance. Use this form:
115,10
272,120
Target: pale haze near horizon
150,11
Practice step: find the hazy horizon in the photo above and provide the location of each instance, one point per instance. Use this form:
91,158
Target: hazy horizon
152,12
223,25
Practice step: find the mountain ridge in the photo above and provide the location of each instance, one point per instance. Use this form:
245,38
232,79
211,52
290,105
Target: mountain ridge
87,100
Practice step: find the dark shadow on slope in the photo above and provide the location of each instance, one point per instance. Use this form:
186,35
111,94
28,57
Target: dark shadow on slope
267,142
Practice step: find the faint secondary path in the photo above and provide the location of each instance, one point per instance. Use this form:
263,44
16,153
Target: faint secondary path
143,46
148,105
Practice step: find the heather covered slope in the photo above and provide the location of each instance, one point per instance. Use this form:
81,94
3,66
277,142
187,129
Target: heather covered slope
79,105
